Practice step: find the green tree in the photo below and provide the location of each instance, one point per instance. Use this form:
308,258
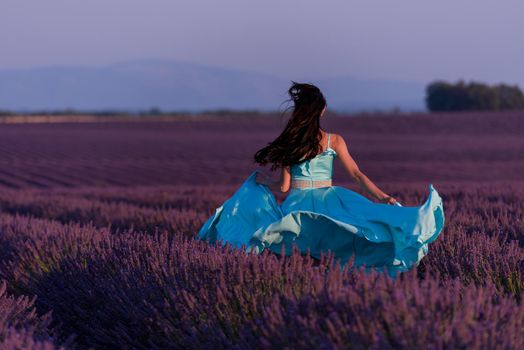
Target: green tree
444,96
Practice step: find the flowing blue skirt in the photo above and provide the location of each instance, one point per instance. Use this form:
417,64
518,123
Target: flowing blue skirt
378,236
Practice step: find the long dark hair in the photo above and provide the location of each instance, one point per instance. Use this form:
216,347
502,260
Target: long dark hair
301,137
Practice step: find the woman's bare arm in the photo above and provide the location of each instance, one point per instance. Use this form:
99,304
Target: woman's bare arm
281,185
339,145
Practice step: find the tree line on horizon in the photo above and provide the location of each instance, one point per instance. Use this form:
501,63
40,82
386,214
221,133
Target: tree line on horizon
440,96
154,111
445,96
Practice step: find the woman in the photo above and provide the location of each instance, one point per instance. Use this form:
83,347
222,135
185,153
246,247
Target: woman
316,215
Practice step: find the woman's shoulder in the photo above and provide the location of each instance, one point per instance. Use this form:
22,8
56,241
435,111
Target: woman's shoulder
336,138
337,141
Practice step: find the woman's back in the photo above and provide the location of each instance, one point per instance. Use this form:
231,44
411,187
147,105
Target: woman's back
318,168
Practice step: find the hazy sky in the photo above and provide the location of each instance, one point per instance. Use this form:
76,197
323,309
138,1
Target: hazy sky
407,40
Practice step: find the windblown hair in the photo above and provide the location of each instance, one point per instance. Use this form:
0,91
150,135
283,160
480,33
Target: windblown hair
300,139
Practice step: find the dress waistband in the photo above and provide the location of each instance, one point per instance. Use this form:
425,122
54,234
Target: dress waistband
295,183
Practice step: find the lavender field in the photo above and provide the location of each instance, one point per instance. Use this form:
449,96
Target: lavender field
97,221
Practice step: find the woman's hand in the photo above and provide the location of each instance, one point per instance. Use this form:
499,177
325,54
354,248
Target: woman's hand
388,200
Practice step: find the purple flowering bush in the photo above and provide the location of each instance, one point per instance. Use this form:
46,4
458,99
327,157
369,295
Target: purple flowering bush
20,325
158,290
97,247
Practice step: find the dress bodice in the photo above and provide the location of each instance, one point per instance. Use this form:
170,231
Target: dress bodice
318,168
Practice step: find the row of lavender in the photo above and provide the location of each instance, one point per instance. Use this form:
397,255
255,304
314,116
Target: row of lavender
492,209
136,290
430,148
483,239
117,268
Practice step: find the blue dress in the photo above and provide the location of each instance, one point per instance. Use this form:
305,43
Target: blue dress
379,236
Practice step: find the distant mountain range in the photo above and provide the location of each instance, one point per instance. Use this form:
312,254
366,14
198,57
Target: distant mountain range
181,86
